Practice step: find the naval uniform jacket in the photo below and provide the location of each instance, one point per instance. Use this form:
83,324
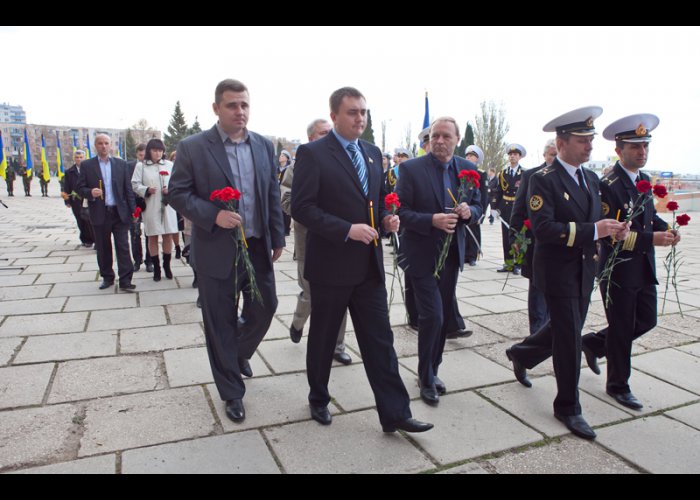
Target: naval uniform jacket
506,190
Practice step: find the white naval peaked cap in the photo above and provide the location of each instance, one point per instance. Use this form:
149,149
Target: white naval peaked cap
477,151
514,146
576,122
633,128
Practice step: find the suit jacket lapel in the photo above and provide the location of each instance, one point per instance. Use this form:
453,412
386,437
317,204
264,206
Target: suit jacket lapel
372,178
594,211
258,153
217,150
573,189
342,157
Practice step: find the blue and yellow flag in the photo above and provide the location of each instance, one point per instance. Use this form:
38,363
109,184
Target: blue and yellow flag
426,117
59,161
75,144
3,160
29,164
119,148
88,153
45,172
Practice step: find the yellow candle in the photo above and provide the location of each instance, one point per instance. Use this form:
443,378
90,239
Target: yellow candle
617,217
101,196
371,218
245,242
452,196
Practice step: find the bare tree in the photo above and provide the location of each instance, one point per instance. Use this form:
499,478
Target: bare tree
383,135
490,131
409,137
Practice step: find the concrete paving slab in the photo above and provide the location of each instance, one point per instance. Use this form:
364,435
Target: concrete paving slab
29,306
63,347
284,356
278,330
467,426
534,406
52,268
212,455
513,325
73,277
35,436
104,464
469,310
689,415
162,297
191,366
18,280
159,338
571,455
688,324
661,446
127,318
497,353
334,449
184,313
24,385
501,305
661,338
144,282
39,261
675,367
468,468
97,302
7,349
79,289
693,349
350,388
43,324
107,376
24,292
137,420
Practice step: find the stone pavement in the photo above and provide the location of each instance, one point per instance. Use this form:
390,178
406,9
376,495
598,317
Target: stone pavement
104,382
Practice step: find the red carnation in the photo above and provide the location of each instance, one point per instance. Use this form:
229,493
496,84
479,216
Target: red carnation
464,174
164,172
644,187
672,206
660,191
528,224
392,203
682,220
137,213
225,194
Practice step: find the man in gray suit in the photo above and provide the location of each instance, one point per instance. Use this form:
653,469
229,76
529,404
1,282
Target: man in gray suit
230,155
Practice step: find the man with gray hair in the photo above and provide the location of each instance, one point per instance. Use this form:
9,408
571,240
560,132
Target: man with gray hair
316,129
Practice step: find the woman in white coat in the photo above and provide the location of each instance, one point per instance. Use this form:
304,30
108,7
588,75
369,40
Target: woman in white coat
150,181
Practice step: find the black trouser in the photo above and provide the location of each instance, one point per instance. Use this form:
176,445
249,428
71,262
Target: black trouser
538,312
472,252
410,300
113,225
136,249
631,314
87,236
560,338
44,188
10,186
506,212
435,301
368,307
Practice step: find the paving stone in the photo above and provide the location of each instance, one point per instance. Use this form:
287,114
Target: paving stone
24,292
513,325
688,324
662,445
490,288
29,306
74,277
127,318
97,302
184,313
7,349
37,435
24,385
161,297
104,464
137,420
43,324
334,449
25,253
349,386
569,456
79,289
467,426
468,310
534,406
278,330
191,366
284,356
497,353
675,367
210,455
654,394
159,338
39,261
77,256
660,338
693,349
68,346
689,415
52,268
499,305
144,282
469,468
107,376
19,280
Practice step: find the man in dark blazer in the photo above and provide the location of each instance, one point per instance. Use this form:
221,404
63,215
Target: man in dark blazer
476,155
75,202
229,155
338,194
631,310
538,313
105,182
429,215
565,211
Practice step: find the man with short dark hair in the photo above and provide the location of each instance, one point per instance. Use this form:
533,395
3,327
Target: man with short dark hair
75,201
135,230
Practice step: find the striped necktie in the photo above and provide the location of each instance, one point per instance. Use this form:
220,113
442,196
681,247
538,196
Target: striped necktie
359,163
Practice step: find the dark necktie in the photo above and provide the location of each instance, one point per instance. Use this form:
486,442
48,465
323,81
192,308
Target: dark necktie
582,185
359,163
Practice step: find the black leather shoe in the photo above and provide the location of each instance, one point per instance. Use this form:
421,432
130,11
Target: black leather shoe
408,425
295,334
149,268
460,334
519,370
106,284
244,366
504,269
440,386
516,271
472,263
429,395
627,399
129,287
235,410
591,359
342,357
321,414
577,425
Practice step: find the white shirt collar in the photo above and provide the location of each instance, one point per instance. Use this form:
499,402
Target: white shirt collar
630,174
570,169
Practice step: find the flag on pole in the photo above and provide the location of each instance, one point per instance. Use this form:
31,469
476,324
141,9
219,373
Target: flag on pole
426,117
119,148
29,165
75,144
3,160
87,146
59,160
45,172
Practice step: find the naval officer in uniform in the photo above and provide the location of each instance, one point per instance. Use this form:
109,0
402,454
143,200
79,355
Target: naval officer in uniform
506,189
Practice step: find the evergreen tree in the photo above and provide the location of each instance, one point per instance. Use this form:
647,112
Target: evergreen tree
490,132
177,130
467,141
195,128
368,134
130,145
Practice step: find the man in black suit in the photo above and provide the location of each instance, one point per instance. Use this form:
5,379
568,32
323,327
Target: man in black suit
506,189
105,182
429,215
538,313
229,155
75,202
338,194
135,229
475,155
565,211
631,310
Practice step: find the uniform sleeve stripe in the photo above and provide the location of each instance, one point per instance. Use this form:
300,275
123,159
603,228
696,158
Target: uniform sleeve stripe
572,234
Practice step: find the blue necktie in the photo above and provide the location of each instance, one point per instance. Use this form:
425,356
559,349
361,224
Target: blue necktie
359,164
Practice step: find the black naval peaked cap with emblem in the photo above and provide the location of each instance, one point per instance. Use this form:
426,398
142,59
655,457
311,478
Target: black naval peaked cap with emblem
576,122
633,128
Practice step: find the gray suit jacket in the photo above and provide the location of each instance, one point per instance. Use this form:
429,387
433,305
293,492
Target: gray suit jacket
201,166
